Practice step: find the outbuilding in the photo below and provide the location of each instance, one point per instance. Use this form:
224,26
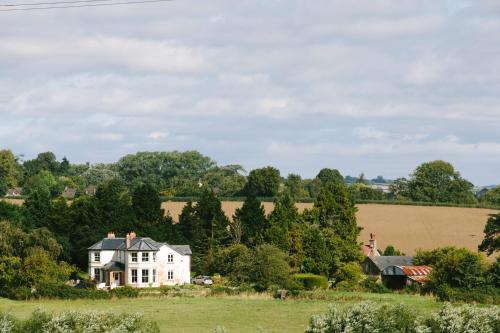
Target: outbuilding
398,277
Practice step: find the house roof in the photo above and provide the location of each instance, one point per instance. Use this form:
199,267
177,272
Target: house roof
14,191
383,262
69,193
114,266
137,244
182,249
416,270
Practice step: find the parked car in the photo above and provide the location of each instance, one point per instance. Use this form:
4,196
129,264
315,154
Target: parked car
206,280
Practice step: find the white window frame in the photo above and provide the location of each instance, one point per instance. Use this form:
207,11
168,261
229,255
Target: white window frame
97,256
133,256
133,276
170,258
145,275
170,275
145,257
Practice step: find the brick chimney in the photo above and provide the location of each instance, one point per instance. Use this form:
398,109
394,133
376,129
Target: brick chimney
111,235
373,243
127,241
132,235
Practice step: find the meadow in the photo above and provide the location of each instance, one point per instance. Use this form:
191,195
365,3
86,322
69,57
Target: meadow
236,313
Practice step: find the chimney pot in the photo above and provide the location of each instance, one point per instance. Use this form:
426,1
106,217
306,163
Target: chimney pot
132,235
111,234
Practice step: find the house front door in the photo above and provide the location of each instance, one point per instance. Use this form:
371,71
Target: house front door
117,278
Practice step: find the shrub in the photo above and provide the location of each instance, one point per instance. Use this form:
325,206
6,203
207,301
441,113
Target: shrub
372,285
124,292
484,295
311,281
73,322
371,317
63,291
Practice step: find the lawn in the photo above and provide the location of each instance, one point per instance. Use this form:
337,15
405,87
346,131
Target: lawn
203,314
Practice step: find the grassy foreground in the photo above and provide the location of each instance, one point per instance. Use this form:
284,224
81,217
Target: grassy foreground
203,314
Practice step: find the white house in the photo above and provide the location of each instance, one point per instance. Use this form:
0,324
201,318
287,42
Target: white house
138,262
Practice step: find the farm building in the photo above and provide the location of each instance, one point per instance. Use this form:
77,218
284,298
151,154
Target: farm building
397,277
374,265
90,190
138,262
14,192
69,193
370,249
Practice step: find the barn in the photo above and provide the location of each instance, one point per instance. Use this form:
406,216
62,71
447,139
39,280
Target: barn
398,277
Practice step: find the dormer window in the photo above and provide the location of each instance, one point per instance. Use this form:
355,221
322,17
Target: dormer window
133,256
97,256
170,258
145,256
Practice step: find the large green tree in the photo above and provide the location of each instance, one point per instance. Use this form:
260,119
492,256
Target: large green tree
253,221
491,241
9,171
438,181
264,182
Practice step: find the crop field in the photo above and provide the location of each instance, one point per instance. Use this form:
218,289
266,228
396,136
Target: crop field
408,228
239,314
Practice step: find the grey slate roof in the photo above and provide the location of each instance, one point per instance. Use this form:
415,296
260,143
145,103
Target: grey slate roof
383,262
182,249
114,266
137,244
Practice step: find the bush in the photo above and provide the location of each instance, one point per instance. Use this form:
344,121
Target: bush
63,291
445,293
372,317
73,322
311,281
372,285
124,292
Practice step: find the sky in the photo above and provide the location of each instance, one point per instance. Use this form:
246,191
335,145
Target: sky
362,86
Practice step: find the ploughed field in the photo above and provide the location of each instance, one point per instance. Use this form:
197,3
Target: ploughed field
242,314
406,227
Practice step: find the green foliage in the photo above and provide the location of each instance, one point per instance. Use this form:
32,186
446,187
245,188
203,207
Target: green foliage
371,317
53,290
455,267
349,273
125,292
253,221
491,197
225,180
75,322
263,182
295,186
9,171
311,281
491,241
392,251
372,285
39,268
44,181
438,181
360,191
147,204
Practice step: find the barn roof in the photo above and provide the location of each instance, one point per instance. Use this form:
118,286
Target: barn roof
383,262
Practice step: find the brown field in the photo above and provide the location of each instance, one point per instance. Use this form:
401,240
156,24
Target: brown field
18,202
408,228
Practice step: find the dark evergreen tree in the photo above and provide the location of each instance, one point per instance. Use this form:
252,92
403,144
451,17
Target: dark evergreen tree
252,217
39,209
147,204
213,220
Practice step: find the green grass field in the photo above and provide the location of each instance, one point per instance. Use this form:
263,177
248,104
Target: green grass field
203,314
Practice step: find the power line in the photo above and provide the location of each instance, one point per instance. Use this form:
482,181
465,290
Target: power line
48,3
83,5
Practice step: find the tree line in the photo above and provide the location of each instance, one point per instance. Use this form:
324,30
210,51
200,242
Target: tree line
187,174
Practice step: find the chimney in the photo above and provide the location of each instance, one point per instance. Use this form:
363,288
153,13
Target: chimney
132,235
111,234
373,243
127,241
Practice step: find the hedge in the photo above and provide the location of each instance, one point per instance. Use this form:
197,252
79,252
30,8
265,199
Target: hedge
311,281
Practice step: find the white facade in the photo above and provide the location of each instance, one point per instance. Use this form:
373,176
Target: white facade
163,265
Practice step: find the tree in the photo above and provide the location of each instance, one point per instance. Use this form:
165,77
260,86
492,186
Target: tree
39,268
391,251
438,181
253,221
147,204
491,197
491,241
269,268
263,182
43,162
9,171
99,174
295,186
330,176
454,267
39,208
226,181
43,181
213,220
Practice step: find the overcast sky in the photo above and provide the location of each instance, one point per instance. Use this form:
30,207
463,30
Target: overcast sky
373,86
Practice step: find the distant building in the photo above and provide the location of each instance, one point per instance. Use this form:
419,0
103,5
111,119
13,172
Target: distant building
398,277
384,187
374,265
14,192
69,193
90,190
